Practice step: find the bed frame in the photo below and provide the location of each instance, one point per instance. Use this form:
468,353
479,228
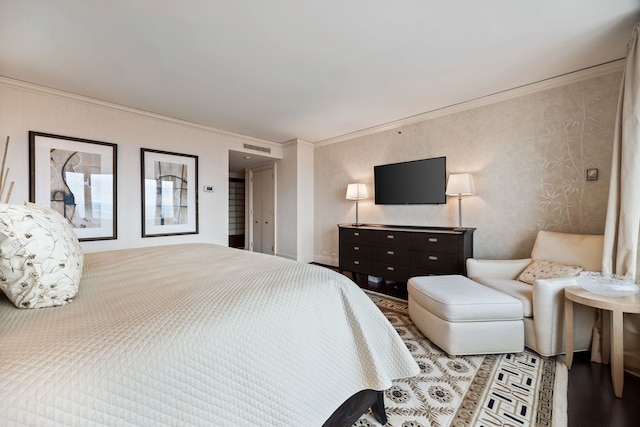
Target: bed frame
354,407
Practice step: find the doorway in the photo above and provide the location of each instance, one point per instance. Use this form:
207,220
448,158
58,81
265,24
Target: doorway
236,212
242,165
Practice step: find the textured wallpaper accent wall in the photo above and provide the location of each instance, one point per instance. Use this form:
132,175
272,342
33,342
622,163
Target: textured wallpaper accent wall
528,155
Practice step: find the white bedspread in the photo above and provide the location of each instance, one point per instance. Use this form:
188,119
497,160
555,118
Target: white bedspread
196,335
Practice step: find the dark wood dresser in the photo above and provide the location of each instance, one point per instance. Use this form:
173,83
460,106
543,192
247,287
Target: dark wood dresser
397,253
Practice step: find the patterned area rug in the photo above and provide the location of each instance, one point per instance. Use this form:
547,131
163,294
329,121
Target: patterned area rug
485,390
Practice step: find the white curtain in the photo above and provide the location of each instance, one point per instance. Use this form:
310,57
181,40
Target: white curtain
620,254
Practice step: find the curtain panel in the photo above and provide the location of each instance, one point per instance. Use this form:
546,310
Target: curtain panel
620,252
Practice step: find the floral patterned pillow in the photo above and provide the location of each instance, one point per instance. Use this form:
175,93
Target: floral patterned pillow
541,269
40,257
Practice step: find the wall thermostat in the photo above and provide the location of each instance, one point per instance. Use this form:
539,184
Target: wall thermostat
209,188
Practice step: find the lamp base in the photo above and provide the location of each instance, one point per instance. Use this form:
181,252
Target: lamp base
459,227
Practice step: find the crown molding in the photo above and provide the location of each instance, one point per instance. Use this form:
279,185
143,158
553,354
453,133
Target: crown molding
297,141
43,90
553,82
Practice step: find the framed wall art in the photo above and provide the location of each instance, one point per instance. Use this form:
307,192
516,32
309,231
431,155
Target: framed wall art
169,193
76,177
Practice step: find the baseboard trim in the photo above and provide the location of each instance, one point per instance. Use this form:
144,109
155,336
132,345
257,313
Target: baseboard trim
325,260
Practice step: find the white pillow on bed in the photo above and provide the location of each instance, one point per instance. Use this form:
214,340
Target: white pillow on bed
40,256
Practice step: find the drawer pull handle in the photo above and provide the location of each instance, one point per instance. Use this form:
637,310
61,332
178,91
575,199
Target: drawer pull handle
390,268
433,239
356,262
356,234
390,252
356,248
433,258
390,236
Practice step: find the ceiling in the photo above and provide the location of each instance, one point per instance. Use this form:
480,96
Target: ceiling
313,70
239,161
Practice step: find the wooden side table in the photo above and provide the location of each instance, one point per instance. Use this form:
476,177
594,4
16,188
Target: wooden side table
615,308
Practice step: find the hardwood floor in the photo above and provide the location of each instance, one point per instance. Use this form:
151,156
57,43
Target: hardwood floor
591,401
591,398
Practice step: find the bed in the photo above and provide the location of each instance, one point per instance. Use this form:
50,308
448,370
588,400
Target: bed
198,334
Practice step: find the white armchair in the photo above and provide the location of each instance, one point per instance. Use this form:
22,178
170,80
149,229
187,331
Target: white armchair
543,303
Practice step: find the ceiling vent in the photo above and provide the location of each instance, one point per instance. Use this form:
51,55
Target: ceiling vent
257,148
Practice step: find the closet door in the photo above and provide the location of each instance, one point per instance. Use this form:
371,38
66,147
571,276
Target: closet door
263,202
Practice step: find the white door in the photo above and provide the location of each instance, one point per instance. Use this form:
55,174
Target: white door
263,204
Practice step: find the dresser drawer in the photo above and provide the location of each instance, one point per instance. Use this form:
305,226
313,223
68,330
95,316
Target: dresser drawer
392,238
354,235
359,265
435,242
354,250
436,262
391,255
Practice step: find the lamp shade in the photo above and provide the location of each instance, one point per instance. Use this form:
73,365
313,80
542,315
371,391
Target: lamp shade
460,184
357,192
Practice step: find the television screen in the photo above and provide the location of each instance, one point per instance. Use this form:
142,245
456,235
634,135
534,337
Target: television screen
415,182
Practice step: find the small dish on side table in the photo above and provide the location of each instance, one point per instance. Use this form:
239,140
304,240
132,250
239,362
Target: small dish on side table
607,285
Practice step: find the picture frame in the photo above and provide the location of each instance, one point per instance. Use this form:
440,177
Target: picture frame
169,188
78,178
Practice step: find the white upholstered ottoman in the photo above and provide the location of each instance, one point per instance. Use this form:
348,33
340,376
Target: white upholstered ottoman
464,317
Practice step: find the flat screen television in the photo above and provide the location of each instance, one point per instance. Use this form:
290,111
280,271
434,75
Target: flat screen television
411,183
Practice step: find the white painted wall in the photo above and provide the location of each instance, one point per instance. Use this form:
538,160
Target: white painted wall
305,180
295,201
25,108
287,211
